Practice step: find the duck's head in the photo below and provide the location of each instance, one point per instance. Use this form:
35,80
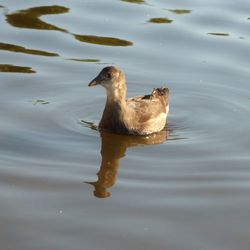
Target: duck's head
110,78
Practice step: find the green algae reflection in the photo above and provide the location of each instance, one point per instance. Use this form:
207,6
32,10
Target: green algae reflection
160,20
15,69
107,41
30,18
20,49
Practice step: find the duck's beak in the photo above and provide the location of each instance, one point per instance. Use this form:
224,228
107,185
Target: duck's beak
94,82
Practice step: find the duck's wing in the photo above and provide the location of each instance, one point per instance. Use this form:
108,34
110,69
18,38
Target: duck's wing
150,110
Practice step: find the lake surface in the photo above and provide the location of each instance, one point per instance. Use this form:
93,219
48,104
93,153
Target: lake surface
185,188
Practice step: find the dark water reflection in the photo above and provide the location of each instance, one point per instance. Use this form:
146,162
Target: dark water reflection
20,49
113,148
30,18
107,41
85,60
181,11
160,20
134,1
15,69
40,101
218,34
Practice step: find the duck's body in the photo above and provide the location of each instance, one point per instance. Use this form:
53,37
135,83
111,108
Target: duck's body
140,115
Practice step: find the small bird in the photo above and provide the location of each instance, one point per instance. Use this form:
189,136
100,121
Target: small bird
139,115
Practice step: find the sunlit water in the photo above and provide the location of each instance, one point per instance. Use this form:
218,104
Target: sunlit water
185,188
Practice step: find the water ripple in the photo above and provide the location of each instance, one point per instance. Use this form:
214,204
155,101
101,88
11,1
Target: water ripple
162,189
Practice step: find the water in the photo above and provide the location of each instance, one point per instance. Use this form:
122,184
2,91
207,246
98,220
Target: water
185,188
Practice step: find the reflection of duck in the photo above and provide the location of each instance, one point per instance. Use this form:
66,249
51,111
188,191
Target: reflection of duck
139,115
113,148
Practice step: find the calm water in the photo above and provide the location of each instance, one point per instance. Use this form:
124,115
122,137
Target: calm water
185,188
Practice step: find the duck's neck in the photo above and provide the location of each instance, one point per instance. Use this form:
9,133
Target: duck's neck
117,94
115,110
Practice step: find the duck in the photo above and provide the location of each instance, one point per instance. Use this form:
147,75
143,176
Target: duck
139,115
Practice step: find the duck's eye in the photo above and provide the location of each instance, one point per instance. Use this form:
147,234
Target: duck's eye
108,75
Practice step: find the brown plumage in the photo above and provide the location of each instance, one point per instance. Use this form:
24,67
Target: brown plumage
140,115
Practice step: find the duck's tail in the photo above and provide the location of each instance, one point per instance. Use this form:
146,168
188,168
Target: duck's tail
162,93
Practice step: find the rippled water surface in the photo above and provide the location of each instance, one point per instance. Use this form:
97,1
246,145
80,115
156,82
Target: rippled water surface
185,188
